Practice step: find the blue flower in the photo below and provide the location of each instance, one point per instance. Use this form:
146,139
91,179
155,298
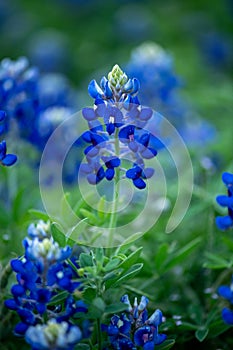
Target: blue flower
226,222
134,328
137,174
116,125
6,159
42,273
53,335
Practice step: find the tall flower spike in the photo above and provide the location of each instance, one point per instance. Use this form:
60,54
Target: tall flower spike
226,222
116,125
134,328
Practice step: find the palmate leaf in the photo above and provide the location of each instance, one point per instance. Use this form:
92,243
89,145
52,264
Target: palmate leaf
58,234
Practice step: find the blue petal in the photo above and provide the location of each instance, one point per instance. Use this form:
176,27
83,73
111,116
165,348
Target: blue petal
110,128
224,222
17,290
17,265
149,345
133,146
136,87
144,139
2,115
225,201
225,292
21,328
113,163
126,132
9,160
133,173
87,136
159,338
107,91
109,174
128,86
227,316
2,150
139,183
94,90
227,178
100,174
11,304
156,318
91,151
149,153
146,114
103,82
89,114
148,173
85,168
139,335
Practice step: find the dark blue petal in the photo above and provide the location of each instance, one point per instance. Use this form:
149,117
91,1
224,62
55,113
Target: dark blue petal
9,159
127,102
113,162
139,335
227,178
149,345
110,128
89,113
225,201
2,115
149,153
11,304
133,173
139,183
144,139
2,150
26,316
225,292
159,338
94,89
109,174
107,91
21,328
17,290
100,174
126,132
227,316
136,87
224,222
41,308
97,139
91,151
17,265
87,136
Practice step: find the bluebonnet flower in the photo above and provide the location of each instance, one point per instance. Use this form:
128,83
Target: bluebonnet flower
226,222
133,328
227,293
116,131
53,336
41,274
28,98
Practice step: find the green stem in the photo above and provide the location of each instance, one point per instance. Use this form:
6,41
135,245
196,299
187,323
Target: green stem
99,335
116,188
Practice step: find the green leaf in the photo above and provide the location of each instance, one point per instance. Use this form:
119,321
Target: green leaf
89,215
58,298
74,233
128,242
99,255
182,253
85,260
115,308
133,271
37,214
131,259
112,264
167,344
216,328
201,334
58,234
216,262
82,347
161,256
